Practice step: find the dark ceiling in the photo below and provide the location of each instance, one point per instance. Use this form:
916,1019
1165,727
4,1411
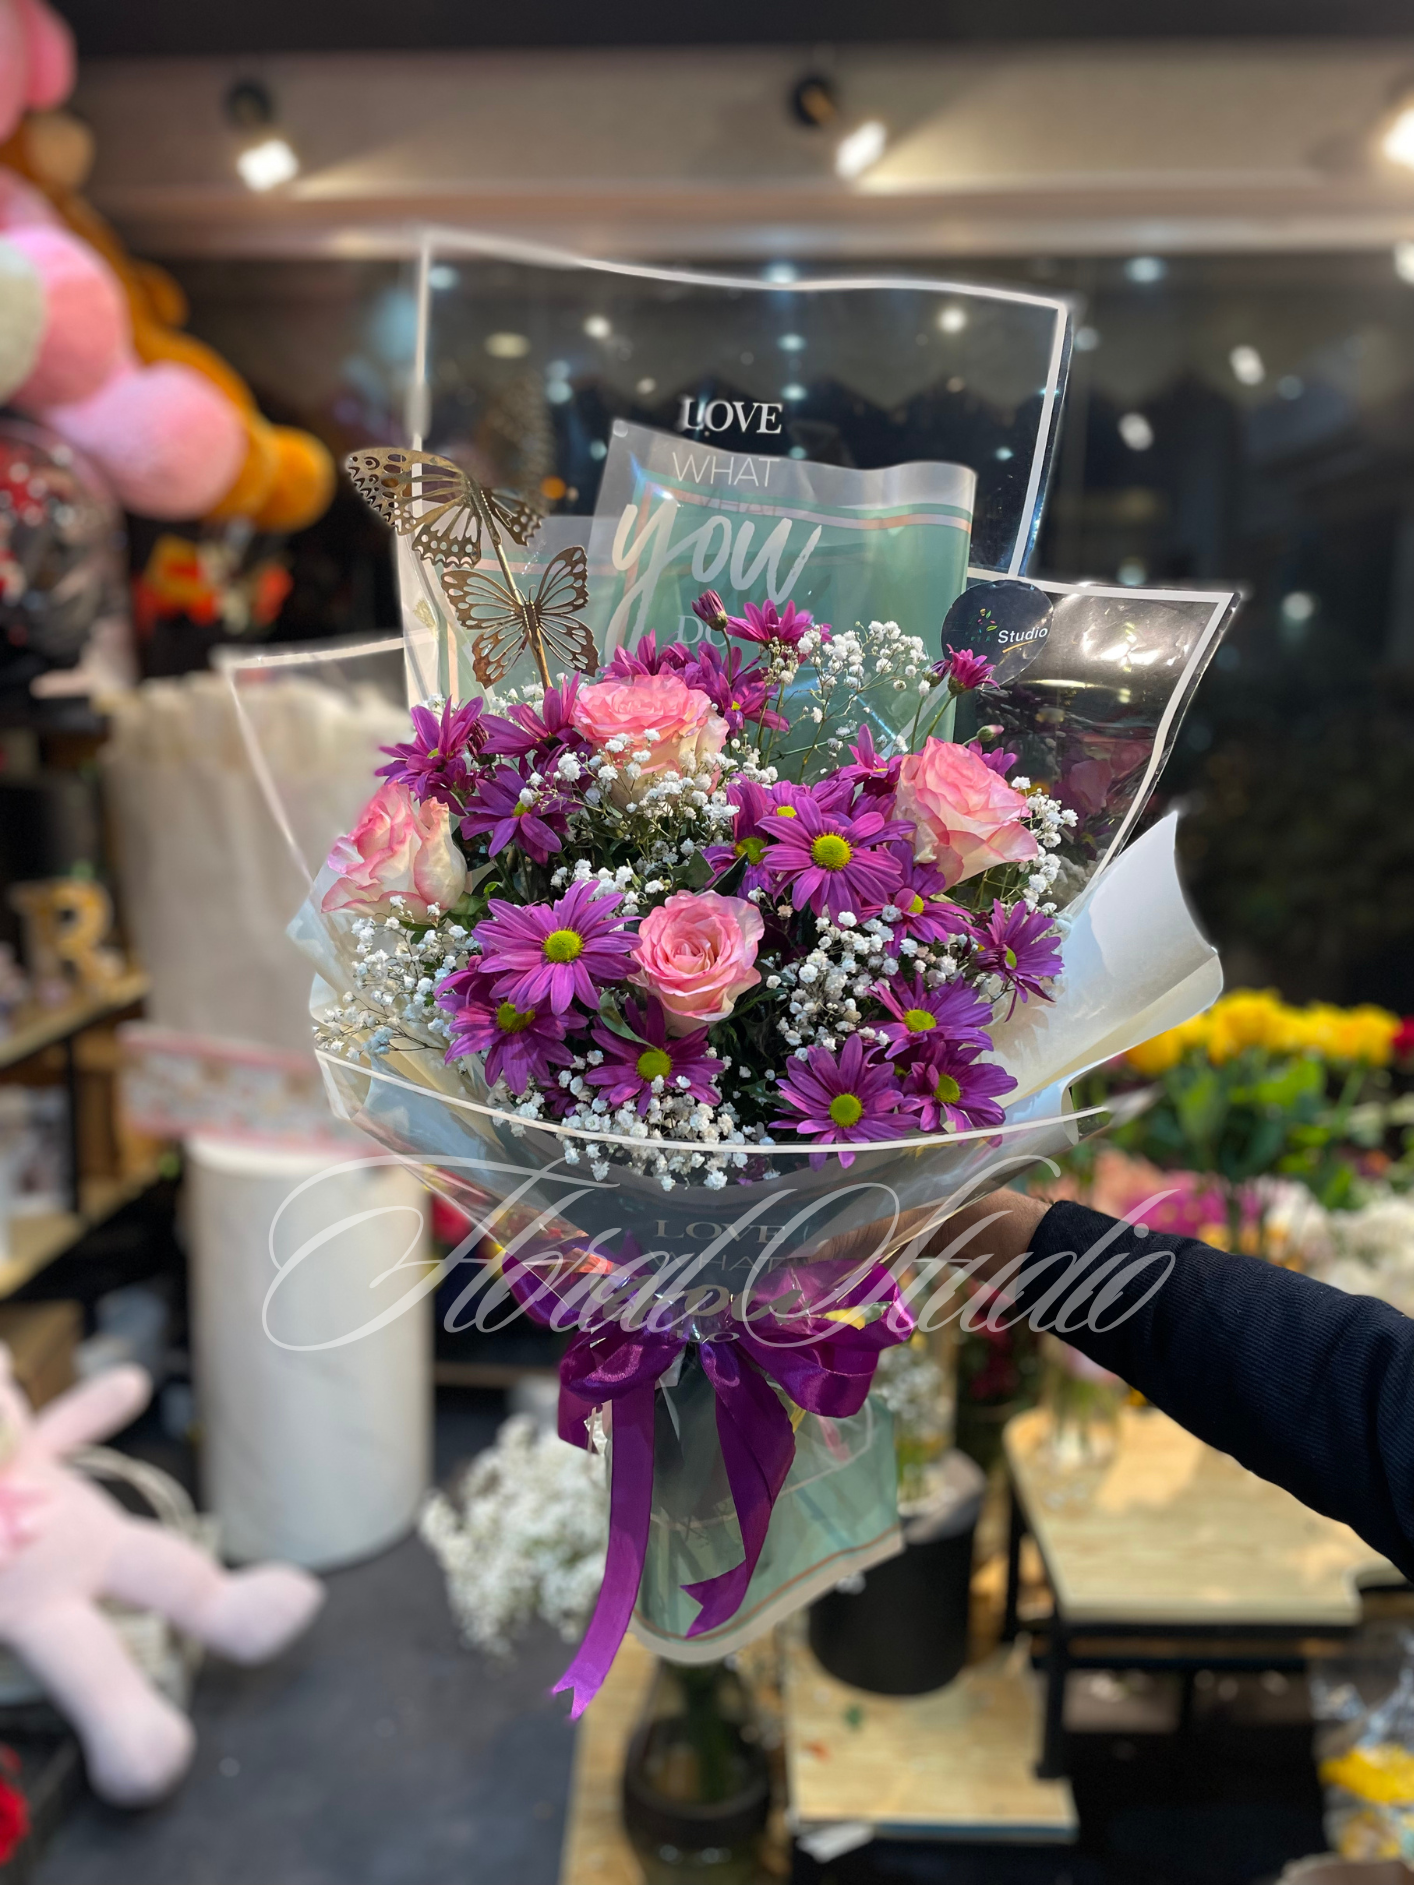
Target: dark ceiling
147,28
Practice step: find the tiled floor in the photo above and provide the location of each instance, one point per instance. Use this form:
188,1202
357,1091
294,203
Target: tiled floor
377,1752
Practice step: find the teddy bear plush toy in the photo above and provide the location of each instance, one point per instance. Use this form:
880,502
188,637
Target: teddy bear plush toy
64,1544
90,339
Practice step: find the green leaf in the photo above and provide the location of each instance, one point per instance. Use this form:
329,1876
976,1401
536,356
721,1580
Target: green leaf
614,1021
1202,1107
480,884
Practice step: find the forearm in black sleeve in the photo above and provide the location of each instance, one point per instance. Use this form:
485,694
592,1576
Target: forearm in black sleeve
1305,1385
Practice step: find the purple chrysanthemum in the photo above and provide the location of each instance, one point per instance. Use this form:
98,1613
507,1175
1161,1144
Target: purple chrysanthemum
875,772
832,861
831,794
996,761
739,693
767,624
963,671
432,765
1021,946
646,658
924,912
498,811
524,1044
847,1100
555,952
545,733
753,803
923,1016
952,1090
630,1067
711,610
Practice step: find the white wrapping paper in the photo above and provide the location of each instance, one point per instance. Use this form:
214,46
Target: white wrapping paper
207,881
1135,963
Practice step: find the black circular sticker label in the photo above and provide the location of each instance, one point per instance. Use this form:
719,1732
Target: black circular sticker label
1006,621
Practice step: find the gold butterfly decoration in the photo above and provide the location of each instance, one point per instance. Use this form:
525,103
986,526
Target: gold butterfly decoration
446,513
503,622
435,503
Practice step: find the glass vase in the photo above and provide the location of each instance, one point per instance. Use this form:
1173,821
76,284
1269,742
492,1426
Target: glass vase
696,1788
1083,1401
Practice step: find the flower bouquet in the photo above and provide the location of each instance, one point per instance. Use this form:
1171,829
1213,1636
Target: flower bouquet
707,973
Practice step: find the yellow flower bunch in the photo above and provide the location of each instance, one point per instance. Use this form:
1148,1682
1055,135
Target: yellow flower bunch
1260,1018
1156,1056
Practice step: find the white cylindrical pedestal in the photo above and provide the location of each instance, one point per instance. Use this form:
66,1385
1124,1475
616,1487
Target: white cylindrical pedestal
314,1450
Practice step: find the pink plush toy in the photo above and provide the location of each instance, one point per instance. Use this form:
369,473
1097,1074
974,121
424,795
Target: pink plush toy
64,1544
170,443
86,323
36,60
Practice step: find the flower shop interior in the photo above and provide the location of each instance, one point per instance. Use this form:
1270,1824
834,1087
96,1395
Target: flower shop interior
961,468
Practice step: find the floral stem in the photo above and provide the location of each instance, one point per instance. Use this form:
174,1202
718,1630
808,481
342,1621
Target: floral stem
771,739
945,721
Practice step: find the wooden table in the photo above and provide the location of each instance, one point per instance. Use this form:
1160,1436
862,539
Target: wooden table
596,1849
953,1764
956,1764
1171,1555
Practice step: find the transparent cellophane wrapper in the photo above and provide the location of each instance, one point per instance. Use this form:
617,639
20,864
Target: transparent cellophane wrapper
856,444
1094,707
1363,1702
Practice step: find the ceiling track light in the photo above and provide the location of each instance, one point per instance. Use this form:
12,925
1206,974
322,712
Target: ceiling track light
264,156
861,149
814,102
1397,143
249,105
1393,135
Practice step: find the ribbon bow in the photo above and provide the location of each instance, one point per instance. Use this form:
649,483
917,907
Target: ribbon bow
823,1358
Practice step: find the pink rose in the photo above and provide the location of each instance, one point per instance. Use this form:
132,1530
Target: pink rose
675,724
695,953
966,819
401,846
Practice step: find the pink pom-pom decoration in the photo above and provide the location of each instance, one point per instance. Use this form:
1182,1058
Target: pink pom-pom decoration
168,440
86,320
14,65
36,60
51,56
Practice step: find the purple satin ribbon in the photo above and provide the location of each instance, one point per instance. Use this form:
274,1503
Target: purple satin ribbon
824,1362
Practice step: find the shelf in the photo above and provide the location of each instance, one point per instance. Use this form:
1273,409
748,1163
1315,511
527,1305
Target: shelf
38,1028
37,1240
487,1374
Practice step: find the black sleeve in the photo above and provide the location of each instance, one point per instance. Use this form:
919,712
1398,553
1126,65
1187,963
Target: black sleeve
1309,1387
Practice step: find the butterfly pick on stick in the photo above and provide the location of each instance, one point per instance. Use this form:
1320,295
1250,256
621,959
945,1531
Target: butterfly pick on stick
503,623
447,515
434,502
